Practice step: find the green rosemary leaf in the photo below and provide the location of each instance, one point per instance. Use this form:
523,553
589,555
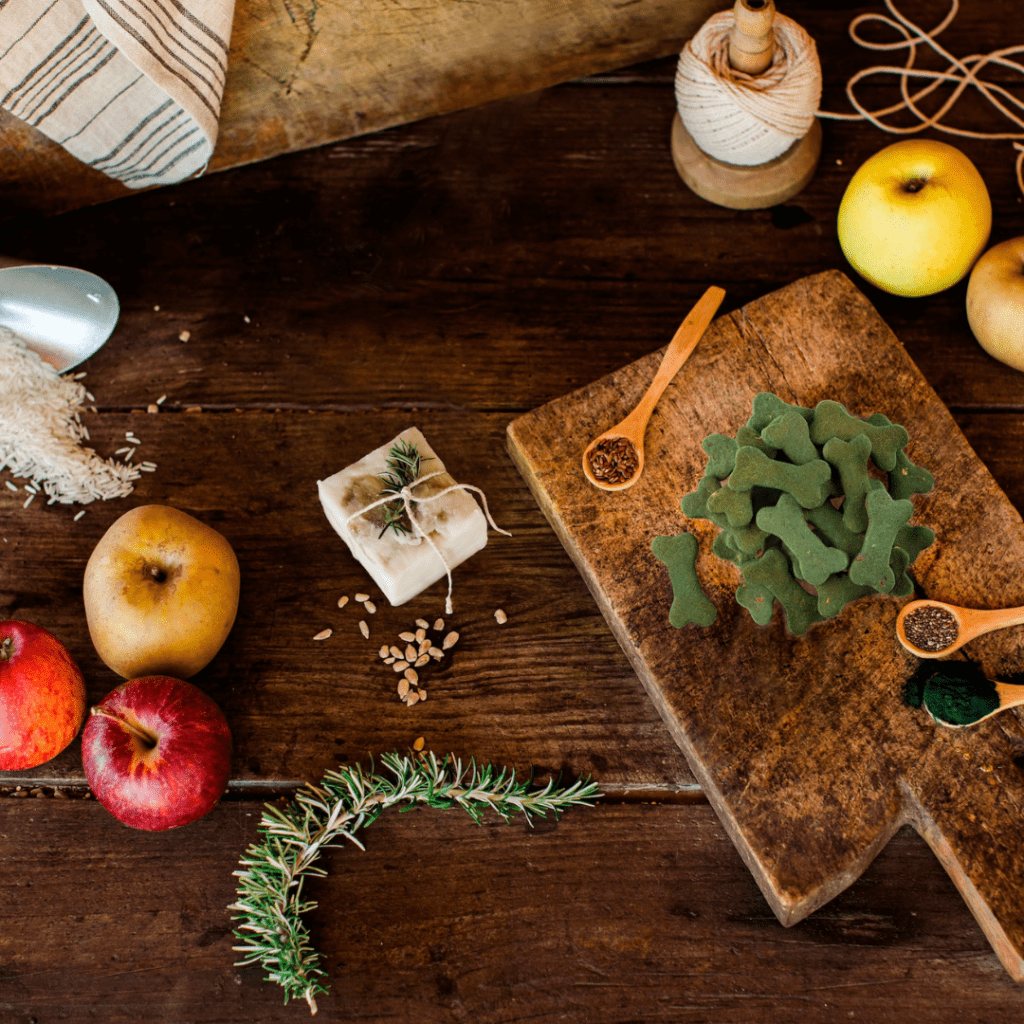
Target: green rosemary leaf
269,904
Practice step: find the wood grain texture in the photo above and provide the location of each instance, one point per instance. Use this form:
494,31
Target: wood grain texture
302,73
616,913
803,744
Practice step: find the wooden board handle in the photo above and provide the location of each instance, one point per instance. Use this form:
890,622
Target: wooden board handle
752,41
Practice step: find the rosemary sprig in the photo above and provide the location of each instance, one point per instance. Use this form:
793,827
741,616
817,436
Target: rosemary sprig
270,904
403,462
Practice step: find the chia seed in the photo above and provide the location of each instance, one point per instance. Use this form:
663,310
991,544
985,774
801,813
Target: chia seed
930,628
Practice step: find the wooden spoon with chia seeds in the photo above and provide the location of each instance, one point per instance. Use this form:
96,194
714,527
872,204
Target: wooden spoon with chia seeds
614,460
933,629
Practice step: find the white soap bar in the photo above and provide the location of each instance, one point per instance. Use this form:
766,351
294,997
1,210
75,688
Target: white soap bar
403,564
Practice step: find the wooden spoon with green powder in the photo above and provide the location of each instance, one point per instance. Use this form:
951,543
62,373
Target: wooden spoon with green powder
961,695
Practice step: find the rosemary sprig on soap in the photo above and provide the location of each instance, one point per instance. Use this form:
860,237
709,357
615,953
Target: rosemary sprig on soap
270,901
403,464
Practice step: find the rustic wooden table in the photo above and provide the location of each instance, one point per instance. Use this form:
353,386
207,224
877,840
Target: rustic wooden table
453,274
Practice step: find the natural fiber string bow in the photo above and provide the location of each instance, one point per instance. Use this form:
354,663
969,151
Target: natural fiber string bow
410,501
960,73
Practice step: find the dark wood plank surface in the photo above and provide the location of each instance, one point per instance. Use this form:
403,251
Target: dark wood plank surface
456,273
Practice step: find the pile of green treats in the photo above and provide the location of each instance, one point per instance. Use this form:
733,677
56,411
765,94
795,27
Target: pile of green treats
797,504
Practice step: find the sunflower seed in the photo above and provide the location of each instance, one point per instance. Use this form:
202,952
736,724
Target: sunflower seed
323,634
450,640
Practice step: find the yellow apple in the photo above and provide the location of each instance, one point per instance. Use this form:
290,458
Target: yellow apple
915,217
995,302
161,593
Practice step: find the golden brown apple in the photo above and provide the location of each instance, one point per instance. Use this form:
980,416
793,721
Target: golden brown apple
161,593
995,302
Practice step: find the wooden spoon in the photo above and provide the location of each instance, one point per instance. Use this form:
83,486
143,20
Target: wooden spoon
634,426
970,623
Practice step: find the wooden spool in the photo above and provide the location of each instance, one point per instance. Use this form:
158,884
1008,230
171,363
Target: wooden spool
737,186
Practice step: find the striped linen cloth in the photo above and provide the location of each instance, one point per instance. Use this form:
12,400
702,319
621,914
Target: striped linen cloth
130,87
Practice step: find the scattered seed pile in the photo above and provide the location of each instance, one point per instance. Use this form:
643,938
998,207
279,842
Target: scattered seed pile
41,432
419,650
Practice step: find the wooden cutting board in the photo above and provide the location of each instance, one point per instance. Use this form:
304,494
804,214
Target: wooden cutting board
804,745
303,73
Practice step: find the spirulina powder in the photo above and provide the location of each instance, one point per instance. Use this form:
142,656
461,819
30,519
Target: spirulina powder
960,696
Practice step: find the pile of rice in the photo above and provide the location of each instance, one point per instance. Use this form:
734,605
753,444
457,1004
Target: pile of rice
41,433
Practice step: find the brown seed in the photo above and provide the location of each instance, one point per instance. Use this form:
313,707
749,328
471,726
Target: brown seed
450,640
500,617
421,660
412,675
423,624
411,654
403,687
407,637
362,597
342,601
419,742
400,666
323,634
614,460
439,625
364,629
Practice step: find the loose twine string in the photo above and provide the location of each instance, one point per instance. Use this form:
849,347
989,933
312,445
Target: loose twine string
740,118
407,498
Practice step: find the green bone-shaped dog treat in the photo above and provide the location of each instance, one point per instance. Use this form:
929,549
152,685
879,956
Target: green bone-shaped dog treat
837,592
689,604
914,539
829,522
815,561
899,562
851,461
721,452
906,478
695,504
767,407
735,505
749,539
771,570
747,437
832,420
758,600
791,435
807,483
886,517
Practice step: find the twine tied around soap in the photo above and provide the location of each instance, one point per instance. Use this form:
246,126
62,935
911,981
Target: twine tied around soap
407,498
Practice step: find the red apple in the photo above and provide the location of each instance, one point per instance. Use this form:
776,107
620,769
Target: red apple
42,695
157,752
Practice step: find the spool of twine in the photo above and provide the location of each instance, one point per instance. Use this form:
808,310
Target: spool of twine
747,119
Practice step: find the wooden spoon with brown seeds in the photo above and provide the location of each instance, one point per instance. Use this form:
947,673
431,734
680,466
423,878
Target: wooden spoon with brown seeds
614,460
